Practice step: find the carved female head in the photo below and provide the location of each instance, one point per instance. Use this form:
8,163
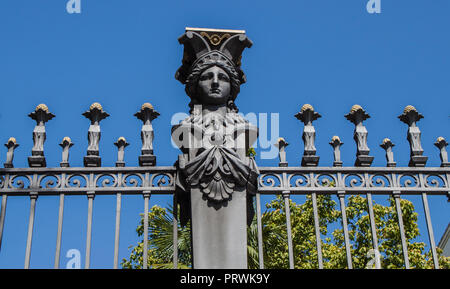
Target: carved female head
213,86
213,80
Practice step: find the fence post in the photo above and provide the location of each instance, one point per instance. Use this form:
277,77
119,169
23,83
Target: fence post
398,207
410,116
307,115
41,115
387,145
121,144
2,217
441,144
95,114
147,114
11,145
146,196
336,144
33,198
66,144
357,115
281,145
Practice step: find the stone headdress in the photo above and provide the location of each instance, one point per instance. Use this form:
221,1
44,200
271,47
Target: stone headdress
204,48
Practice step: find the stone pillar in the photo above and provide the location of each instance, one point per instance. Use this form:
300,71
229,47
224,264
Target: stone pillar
216,178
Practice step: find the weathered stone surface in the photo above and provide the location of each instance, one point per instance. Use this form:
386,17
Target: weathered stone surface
216,178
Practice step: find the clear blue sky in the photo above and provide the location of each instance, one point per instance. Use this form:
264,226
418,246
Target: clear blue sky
331,54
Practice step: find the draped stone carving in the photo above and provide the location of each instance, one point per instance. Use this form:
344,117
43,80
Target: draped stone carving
216,178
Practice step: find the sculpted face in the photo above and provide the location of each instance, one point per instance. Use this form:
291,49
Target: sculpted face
214,86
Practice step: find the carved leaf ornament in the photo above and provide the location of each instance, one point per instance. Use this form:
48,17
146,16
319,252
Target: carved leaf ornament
217,171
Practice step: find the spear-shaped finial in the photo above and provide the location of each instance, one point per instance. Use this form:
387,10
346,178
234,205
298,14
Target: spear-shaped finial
281,145
441,144
121,144
66,144
387,145
336,144
11,145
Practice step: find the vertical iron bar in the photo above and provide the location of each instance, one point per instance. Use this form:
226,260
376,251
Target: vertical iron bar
175,232
317,230
145,249
402,228
89,230
430,230
2,217
448,185
374,231
33,198
260,236
117,231
59,234
348,252
288,226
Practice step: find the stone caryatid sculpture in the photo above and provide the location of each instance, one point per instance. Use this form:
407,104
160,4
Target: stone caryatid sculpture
147,114
41,115
307,115
357,115
216,179
66,144
281,145
121,144
11,145
387,145
95,114
441,144
410,116
336,144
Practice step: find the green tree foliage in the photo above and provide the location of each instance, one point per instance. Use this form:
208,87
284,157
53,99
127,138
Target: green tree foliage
333,244
303,236
160,244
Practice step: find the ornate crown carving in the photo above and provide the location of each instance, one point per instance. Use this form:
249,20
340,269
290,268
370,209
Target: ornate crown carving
202,44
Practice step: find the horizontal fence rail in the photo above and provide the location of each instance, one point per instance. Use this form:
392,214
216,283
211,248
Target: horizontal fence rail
285,181
73,181
301,180
272,180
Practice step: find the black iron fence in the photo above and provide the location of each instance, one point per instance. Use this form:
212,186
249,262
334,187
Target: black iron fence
147,179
